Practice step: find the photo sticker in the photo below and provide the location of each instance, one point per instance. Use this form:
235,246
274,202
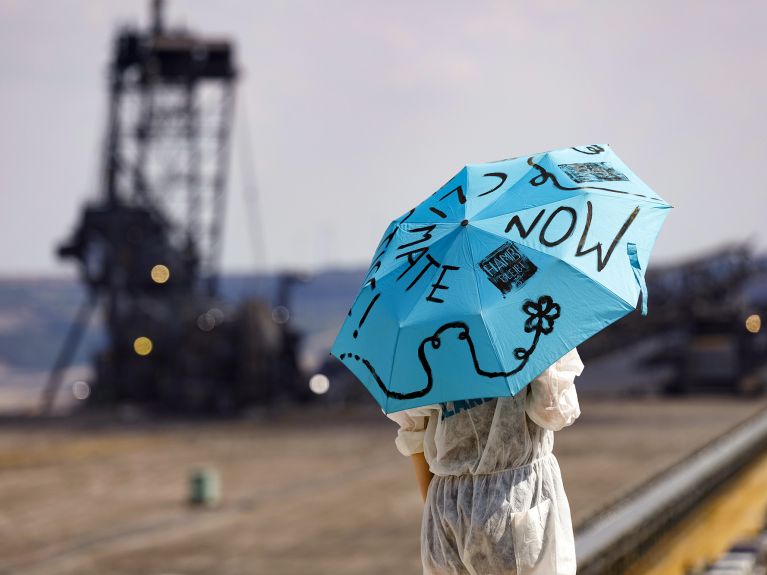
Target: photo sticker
507,268
592,172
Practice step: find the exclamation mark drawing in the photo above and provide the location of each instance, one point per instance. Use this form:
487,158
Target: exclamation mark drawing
365,315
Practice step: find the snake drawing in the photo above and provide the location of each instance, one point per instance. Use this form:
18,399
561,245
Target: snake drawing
541,317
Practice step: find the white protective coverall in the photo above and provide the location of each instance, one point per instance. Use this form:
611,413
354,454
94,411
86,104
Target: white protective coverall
496,503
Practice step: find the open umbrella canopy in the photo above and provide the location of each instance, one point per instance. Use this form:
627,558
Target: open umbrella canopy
498,274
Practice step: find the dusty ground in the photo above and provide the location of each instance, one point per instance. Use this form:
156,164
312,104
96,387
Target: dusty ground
312,494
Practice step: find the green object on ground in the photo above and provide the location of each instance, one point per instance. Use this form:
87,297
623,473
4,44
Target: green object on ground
204,487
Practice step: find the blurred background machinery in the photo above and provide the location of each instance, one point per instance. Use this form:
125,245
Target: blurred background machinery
149,247
705,324
709,312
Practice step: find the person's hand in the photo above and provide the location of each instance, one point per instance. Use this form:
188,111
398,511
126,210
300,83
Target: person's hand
422,473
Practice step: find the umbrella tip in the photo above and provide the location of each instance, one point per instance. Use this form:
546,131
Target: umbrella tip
465,223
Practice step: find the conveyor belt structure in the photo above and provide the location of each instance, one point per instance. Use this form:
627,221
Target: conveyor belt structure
615,538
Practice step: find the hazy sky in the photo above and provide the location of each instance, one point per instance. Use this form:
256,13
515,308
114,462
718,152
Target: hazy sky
359,109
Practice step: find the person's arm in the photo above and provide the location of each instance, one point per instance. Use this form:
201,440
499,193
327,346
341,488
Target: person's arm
552,401
409,441
422,473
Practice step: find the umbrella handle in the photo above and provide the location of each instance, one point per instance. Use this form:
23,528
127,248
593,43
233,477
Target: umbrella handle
631,248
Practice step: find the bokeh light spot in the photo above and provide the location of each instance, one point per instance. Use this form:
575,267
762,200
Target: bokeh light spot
319,383
81,390
280,314
142,345
160,274
754,323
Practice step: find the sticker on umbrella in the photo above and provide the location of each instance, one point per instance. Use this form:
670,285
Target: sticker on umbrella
497,274
507,268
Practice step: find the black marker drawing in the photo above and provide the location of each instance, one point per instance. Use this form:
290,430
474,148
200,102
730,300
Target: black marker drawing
507,268
500,175
365,314
439,285
459,191
413,261
544,176
591,150
516,223
425,237
376,265
541,317
601,263
550,243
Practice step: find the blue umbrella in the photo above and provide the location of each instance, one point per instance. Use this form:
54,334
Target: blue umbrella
496,275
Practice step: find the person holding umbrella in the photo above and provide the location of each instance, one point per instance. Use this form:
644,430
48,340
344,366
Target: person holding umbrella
465,333
493,492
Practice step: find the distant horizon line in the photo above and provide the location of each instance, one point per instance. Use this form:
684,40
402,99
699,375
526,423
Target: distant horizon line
31,275
73,275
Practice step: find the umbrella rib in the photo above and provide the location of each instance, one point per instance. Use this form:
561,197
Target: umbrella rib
391,371
576,194
568,264
502,194
522,242
482,314
577,189
547,174
427,285
478,217
393,267
606,192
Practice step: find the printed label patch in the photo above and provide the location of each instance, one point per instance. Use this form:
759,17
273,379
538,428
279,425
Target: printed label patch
452,408
592,172
507,268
